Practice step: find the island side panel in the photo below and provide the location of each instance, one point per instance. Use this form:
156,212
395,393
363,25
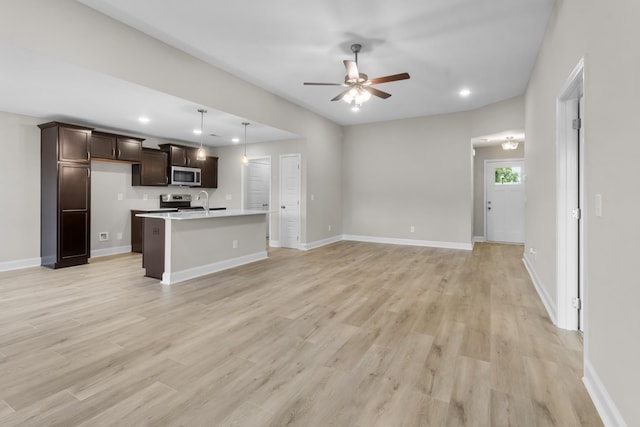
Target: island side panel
202,243
154,247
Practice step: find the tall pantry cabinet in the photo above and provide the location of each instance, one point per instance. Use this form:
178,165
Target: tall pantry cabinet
65,203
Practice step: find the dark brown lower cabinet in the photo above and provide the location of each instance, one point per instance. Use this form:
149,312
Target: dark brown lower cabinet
74,238
137,232
153,255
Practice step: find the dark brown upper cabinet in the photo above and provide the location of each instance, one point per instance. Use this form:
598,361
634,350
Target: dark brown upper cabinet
107,146
152,170
180,155
73,142
209,172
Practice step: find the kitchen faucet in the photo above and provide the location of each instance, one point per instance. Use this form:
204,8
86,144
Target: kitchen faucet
206,203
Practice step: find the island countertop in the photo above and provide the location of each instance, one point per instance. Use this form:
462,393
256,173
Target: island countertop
202,214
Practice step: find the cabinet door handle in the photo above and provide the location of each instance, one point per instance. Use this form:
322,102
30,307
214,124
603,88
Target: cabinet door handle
166,180
88,173
113,152
89,155
119,153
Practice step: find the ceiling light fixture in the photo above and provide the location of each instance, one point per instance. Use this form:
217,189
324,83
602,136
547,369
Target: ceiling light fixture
245,159
235,140
510,144
143,119
464,93
202,155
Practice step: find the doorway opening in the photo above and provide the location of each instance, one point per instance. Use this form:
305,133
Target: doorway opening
570,150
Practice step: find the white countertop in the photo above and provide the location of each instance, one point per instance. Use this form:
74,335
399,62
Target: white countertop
202,214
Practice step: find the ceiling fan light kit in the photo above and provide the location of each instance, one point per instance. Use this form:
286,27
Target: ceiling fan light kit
359,85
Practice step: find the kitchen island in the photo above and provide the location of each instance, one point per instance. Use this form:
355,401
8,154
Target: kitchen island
184,245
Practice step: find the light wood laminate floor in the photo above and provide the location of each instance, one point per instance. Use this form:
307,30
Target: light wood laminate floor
351,334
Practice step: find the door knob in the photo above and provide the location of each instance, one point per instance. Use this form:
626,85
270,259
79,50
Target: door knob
489,208
283,206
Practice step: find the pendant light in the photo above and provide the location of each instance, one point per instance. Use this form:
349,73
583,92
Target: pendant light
202,155
245,159
510,144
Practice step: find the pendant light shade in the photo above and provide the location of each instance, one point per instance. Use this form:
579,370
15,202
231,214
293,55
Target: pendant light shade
510,144
245,159
201,155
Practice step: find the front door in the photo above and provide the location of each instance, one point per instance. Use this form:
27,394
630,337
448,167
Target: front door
504,207
290,200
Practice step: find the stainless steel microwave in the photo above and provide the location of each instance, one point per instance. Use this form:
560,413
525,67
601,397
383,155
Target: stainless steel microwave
185,176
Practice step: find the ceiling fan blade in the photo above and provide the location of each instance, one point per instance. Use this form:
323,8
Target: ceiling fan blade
376,92
392,78
323,84
340,95
352,70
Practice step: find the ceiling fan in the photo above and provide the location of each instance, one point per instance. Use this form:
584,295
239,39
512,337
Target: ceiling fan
359,85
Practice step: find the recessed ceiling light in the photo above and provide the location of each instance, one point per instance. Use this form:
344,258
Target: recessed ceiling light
197,131
235,140
143,119
464,93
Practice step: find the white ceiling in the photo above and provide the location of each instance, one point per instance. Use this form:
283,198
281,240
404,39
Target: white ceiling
38,86
488,46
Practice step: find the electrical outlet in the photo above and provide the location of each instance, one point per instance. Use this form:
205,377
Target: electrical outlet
235,244
228,197
598,205
313,197
120,196
145,197
329,228
412,229
119,236
103,236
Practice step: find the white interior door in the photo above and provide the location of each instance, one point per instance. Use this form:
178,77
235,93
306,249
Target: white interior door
505,198
257,186
290,200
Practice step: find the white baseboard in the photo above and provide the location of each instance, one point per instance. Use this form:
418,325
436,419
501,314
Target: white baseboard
548,302
603,402
192,273
320,243
274,243
20,264
478,239
409,242
110,251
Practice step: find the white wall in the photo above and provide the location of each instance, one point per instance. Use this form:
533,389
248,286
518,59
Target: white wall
486,153
606,34
418,172
404,173
20,196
